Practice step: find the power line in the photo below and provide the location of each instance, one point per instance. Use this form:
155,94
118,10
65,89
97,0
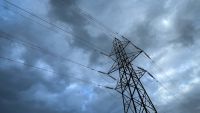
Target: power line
32,20
56,55
98,24
34,46
46,70
54,25
40,48
53,72
110,33
176,95
54,31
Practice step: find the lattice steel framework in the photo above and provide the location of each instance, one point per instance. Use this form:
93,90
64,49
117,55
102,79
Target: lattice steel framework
134,96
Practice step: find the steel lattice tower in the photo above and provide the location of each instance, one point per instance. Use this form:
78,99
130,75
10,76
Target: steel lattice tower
134,96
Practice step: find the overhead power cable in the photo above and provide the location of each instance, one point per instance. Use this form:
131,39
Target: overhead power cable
101,26
32,20
174,95
34,46
111,34
50,71
56,73
56,26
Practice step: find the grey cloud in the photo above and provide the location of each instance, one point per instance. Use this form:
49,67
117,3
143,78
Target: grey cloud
66,11
190,103
17,78
14,81
186,22
22,83
185,32
143,32
19,84
186,103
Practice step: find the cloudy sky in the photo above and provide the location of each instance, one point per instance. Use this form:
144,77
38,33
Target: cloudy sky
35,76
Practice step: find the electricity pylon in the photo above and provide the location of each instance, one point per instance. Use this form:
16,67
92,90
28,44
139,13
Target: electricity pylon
134,96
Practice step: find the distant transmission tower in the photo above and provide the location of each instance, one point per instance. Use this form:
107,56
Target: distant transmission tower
134,96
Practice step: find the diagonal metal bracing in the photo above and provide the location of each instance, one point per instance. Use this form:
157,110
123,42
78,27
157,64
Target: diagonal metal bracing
134,96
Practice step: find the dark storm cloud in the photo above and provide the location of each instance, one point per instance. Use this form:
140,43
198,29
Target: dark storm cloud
66,11
14,81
